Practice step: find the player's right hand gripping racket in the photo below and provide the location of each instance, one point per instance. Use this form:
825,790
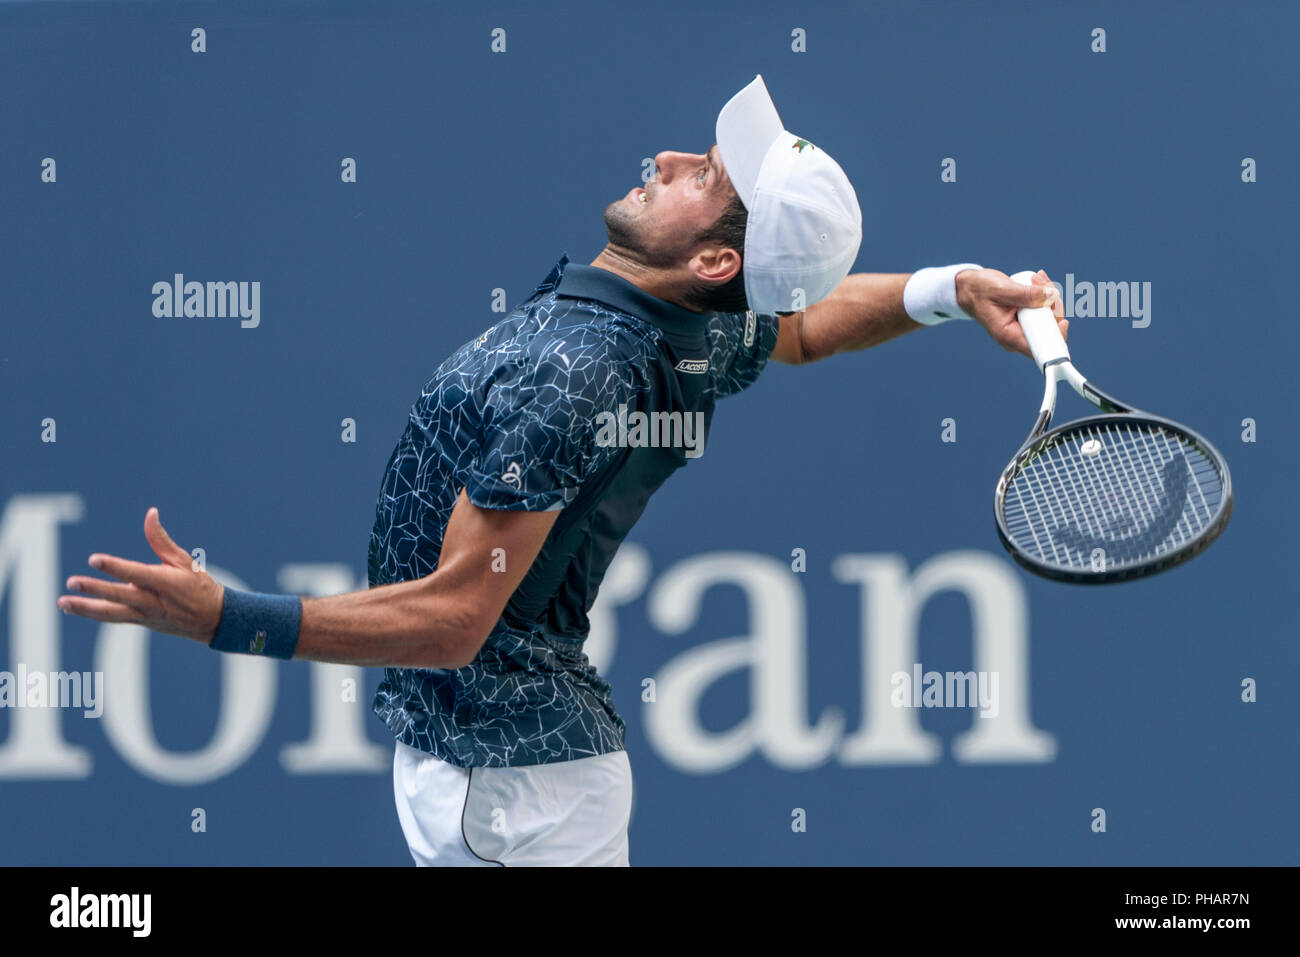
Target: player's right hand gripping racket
1111,497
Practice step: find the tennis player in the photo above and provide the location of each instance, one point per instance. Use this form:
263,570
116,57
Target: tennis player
521,470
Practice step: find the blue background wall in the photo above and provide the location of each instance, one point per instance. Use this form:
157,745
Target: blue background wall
475,171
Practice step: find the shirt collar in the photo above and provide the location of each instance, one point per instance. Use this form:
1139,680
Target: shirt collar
592,282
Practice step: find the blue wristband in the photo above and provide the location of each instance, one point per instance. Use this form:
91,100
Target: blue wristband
254,624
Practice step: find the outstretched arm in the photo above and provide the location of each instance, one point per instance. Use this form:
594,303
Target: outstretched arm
866,309
439,621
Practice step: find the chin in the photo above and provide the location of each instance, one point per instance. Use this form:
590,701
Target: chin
620,229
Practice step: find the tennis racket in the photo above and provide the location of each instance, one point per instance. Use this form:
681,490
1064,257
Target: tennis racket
1110,497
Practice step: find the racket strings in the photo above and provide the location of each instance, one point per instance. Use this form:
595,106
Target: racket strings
1111,494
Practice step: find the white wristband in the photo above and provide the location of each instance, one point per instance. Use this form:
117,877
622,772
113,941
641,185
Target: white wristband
930,295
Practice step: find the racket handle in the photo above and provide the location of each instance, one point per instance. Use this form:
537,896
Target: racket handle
1039,324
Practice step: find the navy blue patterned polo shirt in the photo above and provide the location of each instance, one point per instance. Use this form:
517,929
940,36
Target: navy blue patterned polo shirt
583,400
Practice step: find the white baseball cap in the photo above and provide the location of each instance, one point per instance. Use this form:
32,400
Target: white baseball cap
804,226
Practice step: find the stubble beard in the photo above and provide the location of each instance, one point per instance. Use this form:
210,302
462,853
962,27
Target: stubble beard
629,234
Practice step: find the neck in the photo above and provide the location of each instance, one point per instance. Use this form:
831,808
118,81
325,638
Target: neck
646,278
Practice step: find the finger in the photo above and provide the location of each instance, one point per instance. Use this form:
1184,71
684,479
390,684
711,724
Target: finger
1065,327
1013,339
99,610
135,572
1053,294
161,542
1032,296
130,595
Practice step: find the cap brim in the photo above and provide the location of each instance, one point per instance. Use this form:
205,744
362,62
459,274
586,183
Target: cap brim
747,126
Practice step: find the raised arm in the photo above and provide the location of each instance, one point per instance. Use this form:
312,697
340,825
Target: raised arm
439,621
866,309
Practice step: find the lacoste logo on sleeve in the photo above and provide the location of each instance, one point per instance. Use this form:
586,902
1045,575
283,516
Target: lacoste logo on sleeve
513,475
693,366
751,328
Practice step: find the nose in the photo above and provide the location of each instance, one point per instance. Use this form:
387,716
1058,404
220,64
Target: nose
669,162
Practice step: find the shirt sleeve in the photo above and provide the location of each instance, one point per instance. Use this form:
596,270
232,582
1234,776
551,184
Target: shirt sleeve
539,430
740,344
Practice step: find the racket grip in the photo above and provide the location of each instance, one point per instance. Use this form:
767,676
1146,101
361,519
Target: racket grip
1039,324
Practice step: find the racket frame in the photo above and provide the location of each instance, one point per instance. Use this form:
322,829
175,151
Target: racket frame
1042,437
1052,356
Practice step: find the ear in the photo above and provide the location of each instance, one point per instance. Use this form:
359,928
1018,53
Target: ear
715,264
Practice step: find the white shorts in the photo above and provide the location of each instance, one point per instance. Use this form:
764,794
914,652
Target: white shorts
560,814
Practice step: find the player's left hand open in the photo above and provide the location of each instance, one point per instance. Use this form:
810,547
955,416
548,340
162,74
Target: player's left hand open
170,597
993,300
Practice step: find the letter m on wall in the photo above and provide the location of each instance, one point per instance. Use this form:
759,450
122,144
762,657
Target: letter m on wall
30,583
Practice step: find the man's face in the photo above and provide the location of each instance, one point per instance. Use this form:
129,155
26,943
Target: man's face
657,225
